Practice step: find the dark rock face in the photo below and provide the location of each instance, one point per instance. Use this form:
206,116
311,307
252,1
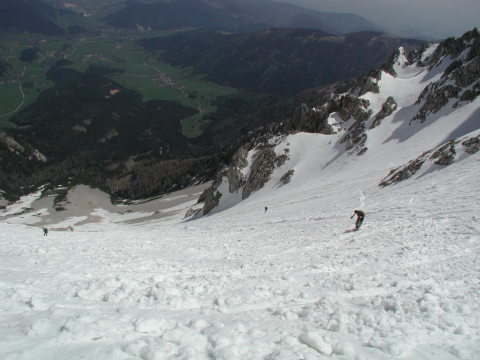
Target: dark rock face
3,202
212,199
232,175
19,160
312,120
469,95
461,80
191,213
466,75
434,98
445,155
285,179
350,106
442,155
261,170
471,145
388,107
264,163
316,120
356,138
455,46
404,172
368,83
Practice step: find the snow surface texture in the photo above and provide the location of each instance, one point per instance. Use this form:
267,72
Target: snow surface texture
292,283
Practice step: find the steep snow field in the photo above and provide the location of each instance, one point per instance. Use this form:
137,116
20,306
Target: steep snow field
294,282
291,283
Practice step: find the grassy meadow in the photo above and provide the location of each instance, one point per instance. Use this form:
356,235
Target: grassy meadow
136,70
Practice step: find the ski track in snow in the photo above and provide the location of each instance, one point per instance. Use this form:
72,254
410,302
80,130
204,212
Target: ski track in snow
243,284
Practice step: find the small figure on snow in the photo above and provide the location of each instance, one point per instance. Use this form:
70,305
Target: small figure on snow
360,216
45,231
266,208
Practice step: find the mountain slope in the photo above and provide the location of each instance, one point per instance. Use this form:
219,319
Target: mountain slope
413,104
232,15
94,130
280,61
29,16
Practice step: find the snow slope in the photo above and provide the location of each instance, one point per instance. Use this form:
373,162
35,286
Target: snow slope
294,282
291,283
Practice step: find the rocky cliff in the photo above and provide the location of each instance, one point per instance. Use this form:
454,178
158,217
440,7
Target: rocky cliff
442,155
18,160
250,169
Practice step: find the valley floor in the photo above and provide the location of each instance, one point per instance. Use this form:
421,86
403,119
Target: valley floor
290,283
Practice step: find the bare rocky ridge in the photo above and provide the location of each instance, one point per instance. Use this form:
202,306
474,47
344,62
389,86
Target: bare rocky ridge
244,178
459,84
388,107
443,155
460,80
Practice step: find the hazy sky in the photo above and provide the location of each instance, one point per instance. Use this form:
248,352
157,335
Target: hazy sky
433,18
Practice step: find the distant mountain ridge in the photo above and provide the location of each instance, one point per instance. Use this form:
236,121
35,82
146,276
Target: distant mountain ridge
280,61
232,15
29,16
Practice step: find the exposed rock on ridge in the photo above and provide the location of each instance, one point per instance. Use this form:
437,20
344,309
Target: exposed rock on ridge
243,177
459,81
443,155
388,107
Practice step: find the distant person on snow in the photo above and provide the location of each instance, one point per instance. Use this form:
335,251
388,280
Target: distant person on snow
360,216
266,208
45,231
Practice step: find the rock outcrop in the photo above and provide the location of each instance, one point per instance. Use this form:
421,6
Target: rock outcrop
460,81
233,176
368,83
434,97
18,160
285,179
260,171
388,107
311,119
443,155
3,201
351,107
242,177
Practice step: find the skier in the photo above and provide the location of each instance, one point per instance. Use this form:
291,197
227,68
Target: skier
266,208
45,231
360,216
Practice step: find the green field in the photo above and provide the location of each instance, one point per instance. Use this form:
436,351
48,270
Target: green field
137,70
28,78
